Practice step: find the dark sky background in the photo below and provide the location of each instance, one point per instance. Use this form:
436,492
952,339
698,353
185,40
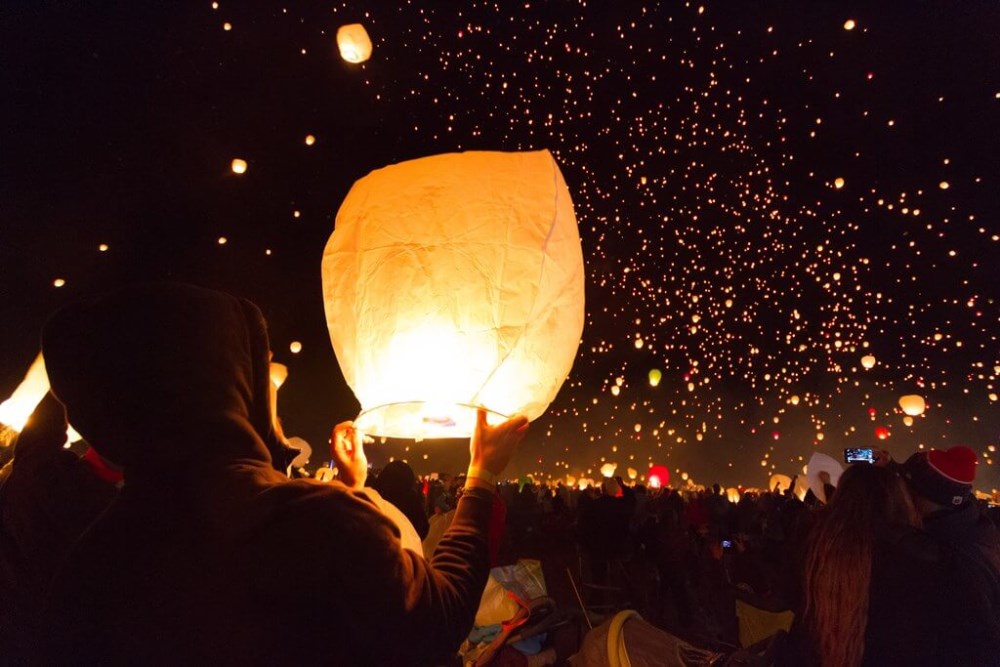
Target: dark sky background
702,145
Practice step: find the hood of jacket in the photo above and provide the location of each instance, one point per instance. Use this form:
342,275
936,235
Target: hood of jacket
163,376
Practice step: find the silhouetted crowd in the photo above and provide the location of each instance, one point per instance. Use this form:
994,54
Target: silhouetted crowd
184,535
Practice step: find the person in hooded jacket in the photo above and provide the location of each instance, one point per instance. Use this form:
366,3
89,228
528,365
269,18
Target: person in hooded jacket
192,562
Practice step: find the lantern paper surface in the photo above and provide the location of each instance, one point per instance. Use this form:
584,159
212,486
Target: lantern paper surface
455,280
782,482
353,42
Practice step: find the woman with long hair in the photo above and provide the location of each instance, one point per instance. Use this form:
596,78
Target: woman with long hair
870,513
877,590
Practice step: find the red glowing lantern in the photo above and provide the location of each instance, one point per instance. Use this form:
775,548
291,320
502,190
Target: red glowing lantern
881,432
776,435
872,412
658,476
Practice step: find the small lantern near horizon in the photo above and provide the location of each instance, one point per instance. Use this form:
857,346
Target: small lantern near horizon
608,470
658,476
354,43
453,281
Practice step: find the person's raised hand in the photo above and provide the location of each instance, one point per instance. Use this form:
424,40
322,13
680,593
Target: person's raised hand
492,447
348,451
882,457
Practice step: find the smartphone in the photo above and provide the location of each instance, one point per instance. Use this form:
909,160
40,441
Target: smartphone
859,455
726,544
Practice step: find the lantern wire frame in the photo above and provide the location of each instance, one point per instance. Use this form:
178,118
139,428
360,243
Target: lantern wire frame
424,420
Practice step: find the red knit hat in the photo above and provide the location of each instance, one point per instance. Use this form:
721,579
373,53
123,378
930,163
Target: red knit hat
943,476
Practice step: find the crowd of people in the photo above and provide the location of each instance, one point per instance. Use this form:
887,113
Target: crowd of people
181,538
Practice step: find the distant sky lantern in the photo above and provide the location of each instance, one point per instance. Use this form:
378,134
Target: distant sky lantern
239,166
944,185
310,140
608,469
838,183
354,44
881,432
849,24
794,400
295,347
452,281
658,476
908,420
912,405
632,473
654,377
733,494
58,282
868,361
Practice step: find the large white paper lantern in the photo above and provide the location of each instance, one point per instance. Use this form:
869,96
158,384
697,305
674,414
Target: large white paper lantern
453,281
353,42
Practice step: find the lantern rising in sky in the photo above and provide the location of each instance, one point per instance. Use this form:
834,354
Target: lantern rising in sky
353,42
453,281
912,405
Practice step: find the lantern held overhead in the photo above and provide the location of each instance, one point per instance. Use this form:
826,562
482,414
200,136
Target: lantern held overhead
353,42
452,281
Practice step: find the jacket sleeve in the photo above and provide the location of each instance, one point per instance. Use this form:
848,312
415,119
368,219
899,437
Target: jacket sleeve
413,611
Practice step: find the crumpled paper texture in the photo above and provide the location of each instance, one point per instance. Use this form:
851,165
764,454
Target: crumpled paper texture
455,279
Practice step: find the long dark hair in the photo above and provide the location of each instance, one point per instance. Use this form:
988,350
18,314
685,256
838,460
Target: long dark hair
839,560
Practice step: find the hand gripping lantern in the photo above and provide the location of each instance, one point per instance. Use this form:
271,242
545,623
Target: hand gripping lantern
453,281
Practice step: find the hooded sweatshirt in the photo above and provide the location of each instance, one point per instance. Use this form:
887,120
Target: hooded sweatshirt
209,555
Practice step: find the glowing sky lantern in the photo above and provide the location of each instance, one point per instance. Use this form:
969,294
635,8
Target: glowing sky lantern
632,473
733,494
780,481
354,44
908,420
14,412
655,375
279,373
295,347
608,469
849,24
658,476
451,281
868,361
239,166
838,183
310,140
912,405
881,432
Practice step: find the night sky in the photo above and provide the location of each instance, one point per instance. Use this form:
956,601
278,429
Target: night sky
764,196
